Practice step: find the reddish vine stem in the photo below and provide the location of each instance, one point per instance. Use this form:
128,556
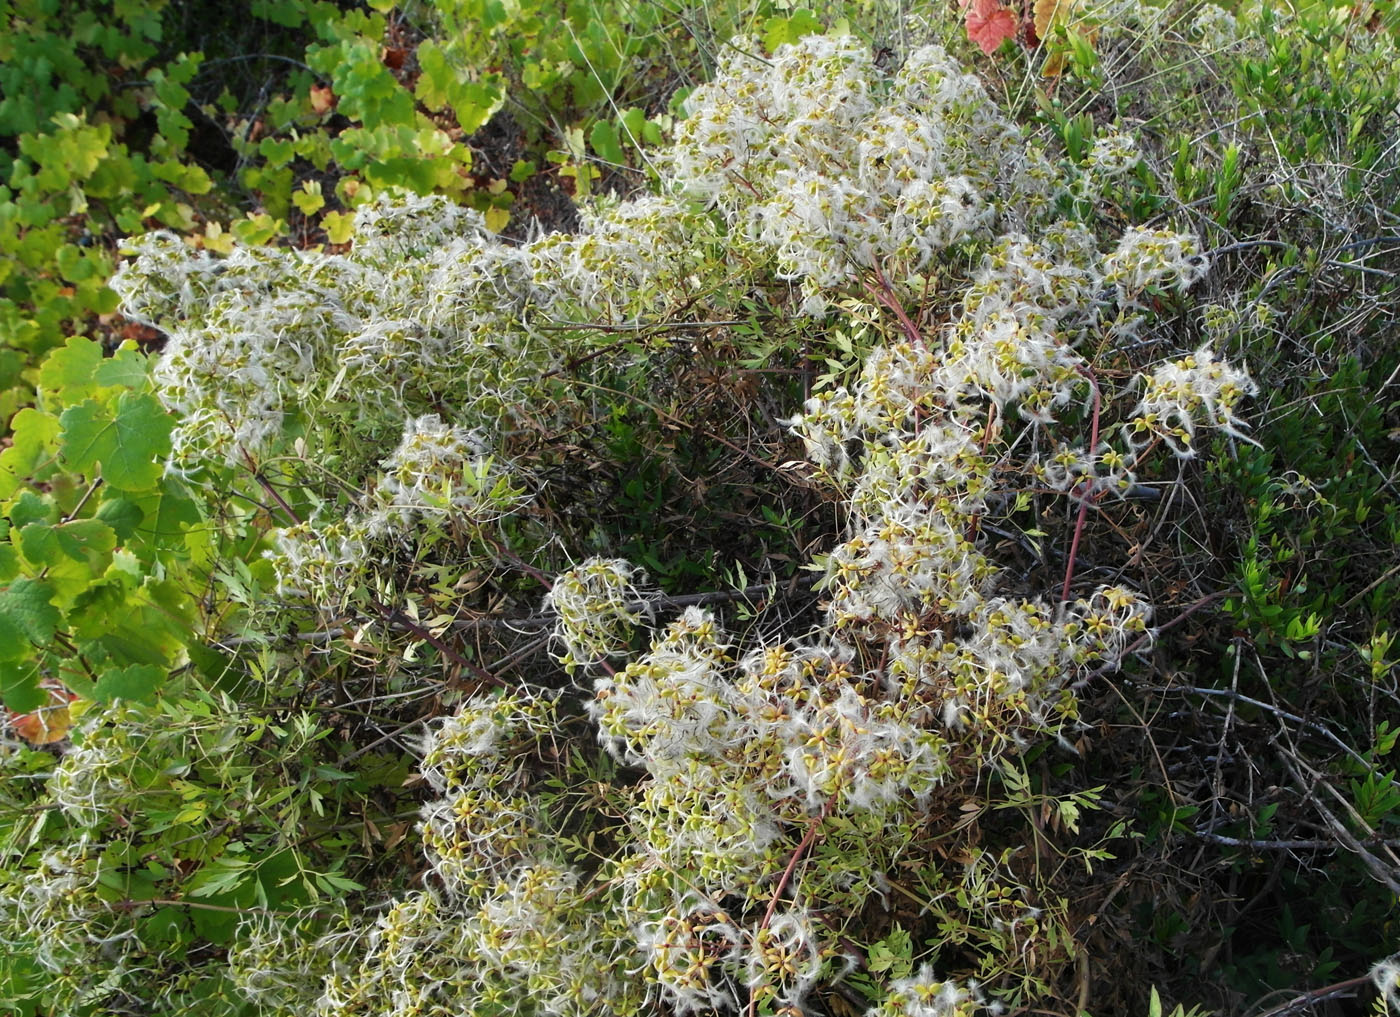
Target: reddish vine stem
885,295
1315,996
544,581
1087,487
267,487
394,617
520,563
811,835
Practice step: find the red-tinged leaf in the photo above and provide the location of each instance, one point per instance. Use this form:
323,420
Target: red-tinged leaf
322,99
49,723
989,24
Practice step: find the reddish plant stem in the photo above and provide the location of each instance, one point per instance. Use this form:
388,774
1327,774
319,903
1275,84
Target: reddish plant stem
986,440
1087,486
811,835
885,295
394,617
520,563
267,487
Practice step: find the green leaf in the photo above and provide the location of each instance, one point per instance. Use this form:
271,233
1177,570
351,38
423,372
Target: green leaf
308,200
31,507
330,883
435,77
223,875
277,152
19,686
122,515
218,668
441,84
127,368
135,683
26,616
146,624
339,226
256,229
11,365
167,511
130,444
605,142
68,371
218,927
634,121
78,539
778,30
34,442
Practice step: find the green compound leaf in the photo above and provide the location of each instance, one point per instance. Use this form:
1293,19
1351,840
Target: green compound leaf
130,444
136,683
26,616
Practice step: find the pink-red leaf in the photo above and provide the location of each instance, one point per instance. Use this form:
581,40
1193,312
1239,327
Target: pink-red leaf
989,24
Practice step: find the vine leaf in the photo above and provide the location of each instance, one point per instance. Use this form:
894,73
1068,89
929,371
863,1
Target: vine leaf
33,434
130,444
132,621
69,370
47,545
126,368
137,682
20,686
50,721
989,24
29,508
122,515
26,616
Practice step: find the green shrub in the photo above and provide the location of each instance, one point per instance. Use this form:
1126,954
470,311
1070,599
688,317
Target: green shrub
758,556
400,408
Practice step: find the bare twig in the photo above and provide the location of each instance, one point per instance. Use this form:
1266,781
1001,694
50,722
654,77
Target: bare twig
545,619
1264,844
1383,874
1315,996
1282,714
